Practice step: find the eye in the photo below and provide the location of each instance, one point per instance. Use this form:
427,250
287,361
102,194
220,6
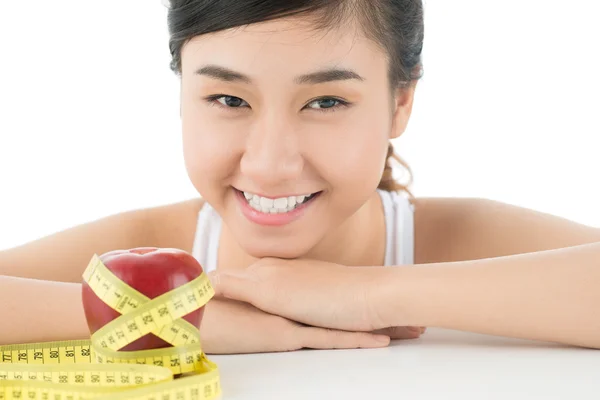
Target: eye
325,104
226,101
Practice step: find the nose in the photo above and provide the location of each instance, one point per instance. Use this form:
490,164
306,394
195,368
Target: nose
272,155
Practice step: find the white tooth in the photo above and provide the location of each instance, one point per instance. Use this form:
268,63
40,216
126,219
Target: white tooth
266,203
282,210
255,199
247,195
289,209
264,209
280,203
291,201
300,199
255,206
273,211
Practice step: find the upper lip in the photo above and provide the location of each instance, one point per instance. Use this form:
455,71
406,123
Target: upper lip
279,195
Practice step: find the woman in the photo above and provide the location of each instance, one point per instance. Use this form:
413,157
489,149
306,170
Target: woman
288,109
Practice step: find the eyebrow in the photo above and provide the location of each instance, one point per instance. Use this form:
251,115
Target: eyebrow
322,76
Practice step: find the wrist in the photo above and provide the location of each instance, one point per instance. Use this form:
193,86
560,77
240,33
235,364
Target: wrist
401,295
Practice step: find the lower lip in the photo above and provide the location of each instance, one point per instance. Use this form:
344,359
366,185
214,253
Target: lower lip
278,219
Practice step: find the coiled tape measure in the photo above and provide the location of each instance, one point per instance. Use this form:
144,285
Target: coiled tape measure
86,369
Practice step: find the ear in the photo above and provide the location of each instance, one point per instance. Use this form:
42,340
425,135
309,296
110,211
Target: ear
402,108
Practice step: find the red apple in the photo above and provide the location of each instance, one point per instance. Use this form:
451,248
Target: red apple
151,271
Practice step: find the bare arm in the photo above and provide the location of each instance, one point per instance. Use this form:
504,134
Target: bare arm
41,301
25,318
513,271
227,327
63,256
462,229
550,295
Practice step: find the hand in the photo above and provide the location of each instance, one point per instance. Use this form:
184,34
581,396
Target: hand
234,327
313,292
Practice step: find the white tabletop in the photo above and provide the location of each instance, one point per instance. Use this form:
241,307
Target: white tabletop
441,364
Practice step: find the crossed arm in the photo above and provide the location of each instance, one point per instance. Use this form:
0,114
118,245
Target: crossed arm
482,266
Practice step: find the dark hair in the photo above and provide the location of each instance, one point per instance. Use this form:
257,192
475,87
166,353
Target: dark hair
395,25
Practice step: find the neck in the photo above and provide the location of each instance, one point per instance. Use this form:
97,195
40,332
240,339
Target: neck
359,241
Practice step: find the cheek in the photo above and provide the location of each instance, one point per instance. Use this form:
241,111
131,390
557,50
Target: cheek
209,149
355,157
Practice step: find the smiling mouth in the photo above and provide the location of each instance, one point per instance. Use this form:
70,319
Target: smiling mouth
278,205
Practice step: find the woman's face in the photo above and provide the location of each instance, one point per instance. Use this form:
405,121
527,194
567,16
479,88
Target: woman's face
272,113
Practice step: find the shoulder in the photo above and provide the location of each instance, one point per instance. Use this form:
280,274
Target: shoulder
174,225
446,228
458,229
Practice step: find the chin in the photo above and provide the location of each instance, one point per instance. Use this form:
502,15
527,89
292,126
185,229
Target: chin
282,247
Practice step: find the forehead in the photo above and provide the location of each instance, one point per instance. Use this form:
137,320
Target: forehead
284,48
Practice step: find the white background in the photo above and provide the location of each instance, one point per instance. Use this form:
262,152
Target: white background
89,123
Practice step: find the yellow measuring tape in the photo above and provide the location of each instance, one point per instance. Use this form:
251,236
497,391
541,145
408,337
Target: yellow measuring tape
86,369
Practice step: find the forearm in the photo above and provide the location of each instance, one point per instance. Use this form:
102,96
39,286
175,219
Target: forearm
550,296
63,256
39,311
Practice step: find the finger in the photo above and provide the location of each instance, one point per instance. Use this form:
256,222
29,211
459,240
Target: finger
322,338
400,332
235,286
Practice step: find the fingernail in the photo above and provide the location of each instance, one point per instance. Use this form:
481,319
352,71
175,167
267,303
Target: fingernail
382,338
414,329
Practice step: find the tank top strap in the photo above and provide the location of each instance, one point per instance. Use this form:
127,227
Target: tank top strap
399,222
206,239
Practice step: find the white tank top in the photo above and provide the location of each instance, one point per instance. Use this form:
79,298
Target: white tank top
399,222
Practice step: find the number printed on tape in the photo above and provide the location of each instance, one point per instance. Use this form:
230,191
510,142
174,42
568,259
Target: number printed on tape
82,369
